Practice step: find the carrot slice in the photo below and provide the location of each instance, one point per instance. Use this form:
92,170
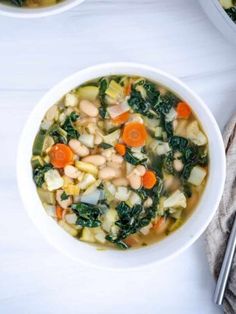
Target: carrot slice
121,149
134,134
127,88
183,110
122,118
158,223
61,155
149,179
59,212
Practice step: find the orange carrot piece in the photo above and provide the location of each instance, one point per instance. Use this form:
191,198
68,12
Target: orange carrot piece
59,212
149,179
134,134
183,110
127,89
122,118
158,223
121,149
132,240
61,155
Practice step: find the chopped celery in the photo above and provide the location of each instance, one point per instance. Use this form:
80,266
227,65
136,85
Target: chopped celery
46,196
37,161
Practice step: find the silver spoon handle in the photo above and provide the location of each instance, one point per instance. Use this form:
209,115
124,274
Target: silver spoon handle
226,266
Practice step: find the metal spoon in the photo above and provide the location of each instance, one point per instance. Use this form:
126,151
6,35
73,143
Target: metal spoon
226,266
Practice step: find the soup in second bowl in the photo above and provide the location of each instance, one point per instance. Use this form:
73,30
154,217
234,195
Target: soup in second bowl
31,3
120,161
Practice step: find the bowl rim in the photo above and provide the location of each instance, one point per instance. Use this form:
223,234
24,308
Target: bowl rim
133,259
28,13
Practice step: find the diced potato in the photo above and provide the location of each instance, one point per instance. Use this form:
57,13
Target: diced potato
53,179
177,199
71,100
72,189
72,231
91,198
195,134
197,175
87,235
88,179
88,92
87,167
99,235
159,147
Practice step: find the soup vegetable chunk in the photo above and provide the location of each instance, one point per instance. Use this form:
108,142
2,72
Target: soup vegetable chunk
230,8
32,3
120,161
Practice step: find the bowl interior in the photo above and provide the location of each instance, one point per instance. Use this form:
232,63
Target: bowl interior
115,259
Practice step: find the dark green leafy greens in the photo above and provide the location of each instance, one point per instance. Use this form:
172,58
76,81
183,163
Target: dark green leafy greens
129,157
232,13
105,145
68,126
18,3
88,214
38,174
103,85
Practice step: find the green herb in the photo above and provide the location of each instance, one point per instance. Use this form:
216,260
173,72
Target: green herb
68,126
38,174
105,145
129,157
88,214
64,196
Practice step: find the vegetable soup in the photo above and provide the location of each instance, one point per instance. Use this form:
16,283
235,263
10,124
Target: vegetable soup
120,161
230,8
32,3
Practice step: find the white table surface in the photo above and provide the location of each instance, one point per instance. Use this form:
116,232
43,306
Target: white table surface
173,35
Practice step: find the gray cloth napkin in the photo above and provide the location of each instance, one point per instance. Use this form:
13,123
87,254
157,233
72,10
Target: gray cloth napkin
219,229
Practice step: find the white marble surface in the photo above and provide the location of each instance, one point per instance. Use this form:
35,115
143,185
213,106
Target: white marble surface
173,35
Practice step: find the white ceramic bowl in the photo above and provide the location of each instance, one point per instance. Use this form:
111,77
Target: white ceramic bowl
220,18
13,11
115,259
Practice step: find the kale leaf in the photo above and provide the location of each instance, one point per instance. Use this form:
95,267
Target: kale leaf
68,126
105,145
232,13
88,214
138,104
130,158
18,3
64,196
103,85
38,174
178,143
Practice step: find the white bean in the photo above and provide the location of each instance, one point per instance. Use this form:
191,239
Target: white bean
97,139
107,173
113,165
117,159
141,170
107,153
63,203
120,182
96,160
88,108
135,181
148,202
78,148
52,113
178,164
71,171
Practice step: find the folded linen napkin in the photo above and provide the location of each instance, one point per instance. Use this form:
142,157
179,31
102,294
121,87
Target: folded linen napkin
219,229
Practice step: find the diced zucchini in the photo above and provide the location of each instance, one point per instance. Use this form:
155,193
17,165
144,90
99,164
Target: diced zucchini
53,179
175,225
38,143
37,161
134,199
110,218
88,180
91,198
197,175
122,193
88,92
87,140
46,196
87,235
175,200
112,138
48,143
50,209
87,167
195,134
71,100
72,231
